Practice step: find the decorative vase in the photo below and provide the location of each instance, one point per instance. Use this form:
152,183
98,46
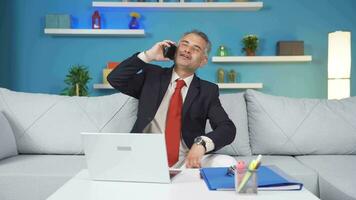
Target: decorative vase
96,20
221,75
232,76
250,52
222,51
134,23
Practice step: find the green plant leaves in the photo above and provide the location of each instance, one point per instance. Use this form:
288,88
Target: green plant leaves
250,42
77,75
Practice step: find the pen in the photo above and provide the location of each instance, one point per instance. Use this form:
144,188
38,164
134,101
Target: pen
240,169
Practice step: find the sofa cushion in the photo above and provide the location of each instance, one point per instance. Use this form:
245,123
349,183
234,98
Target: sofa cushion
289,126
34,177
51,124
293,168
7,139
337,177
235,107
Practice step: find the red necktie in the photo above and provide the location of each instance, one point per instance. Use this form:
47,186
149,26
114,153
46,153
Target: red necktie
174,124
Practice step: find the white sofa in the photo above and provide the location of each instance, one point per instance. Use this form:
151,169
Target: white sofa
312,140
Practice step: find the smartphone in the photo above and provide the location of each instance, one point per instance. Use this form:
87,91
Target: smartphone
170,52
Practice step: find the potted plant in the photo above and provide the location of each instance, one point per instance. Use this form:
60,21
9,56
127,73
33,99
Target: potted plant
77,80
250,43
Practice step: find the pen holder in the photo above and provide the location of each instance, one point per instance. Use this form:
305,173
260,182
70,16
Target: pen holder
246,182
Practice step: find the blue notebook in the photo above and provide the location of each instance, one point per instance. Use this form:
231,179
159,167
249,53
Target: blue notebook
269,178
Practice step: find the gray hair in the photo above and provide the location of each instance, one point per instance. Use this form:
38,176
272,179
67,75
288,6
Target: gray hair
203,36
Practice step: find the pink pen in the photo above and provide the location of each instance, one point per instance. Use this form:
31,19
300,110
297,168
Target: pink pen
240,168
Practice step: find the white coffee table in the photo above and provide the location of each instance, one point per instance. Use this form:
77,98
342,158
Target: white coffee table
185,186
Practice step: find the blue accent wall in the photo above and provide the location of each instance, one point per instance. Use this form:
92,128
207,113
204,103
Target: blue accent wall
34,62
5,41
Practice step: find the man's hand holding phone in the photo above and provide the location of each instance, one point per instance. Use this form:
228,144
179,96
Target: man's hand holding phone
156,53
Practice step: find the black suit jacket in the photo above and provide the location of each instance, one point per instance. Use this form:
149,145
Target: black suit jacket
149,83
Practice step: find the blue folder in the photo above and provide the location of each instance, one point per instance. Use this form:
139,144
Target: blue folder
269,178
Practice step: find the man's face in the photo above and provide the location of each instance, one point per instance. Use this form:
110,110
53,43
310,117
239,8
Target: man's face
191,52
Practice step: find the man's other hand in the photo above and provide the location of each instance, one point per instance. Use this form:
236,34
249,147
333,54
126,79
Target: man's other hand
195,156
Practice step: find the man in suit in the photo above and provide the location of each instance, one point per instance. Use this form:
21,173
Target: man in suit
174,101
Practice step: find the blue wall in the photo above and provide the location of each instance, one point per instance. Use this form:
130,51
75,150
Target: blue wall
5,40
34,62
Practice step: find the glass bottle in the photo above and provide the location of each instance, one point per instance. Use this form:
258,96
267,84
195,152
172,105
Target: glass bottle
222,51
96,21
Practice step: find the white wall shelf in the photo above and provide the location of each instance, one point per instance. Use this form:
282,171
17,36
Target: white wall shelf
95,32
221,86
242,6
234,59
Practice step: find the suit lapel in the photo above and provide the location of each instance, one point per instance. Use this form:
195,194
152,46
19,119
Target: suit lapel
193,91
165,79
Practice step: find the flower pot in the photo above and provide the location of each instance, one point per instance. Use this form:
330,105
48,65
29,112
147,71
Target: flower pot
250,52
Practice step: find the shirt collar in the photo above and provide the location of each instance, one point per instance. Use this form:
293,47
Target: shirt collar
187,80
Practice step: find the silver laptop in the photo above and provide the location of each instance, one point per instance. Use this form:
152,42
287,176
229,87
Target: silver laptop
127,157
